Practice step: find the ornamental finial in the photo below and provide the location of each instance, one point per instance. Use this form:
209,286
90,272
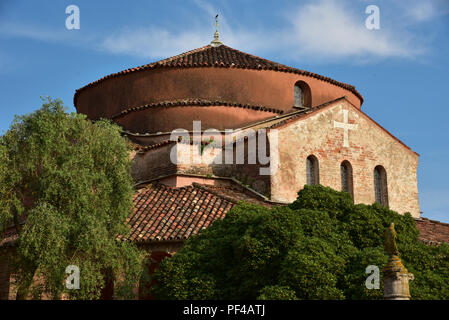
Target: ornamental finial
216,42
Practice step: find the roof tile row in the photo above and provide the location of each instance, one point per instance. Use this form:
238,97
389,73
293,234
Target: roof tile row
163,213
222,57
433,232
195,102
142,149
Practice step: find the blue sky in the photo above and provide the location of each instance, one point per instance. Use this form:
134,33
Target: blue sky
400,69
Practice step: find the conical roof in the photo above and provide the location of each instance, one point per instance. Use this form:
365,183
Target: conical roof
222,57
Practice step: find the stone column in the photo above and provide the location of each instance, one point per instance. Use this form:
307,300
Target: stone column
396,280
396,277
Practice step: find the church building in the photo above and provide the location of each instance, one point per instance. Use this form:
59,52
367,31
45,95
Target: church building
262,130
323,136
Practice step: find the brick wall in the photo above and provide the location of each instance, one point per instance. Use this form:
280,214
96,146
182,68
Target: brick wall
369,146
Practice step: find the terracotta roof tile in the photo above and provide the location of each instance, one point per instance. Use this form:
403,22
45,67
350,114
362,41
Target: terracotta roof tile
142,149
195,102
233,194
222,57
163,213
433,232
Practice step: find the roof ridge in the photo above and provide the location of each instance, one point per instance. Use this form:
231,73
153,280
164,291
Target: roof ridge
434,221
301,113
205,189
306,112
257,57
181,55
143,149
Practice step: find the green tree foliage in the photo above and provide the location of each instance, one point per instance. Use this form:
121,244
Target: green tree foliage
277,293
318,247
65,186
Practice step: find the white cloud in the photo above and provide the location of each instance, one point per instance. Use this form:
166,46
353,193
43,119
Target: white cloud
23,31
417,11
60,35
152,42
206,7
325,29
322,30
422,11
331,29
162,43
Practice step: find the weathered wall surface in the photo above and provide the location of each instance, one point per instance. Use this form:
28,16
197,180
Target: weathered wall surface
369,146
197,160
152,164
243,170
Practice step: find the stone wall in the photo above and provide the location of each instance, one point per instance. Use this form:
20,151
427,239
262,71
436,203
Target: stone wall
369,145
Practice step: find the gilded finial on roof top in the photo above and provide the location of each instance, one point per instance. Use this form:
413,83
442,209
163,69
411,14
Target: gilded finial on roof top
216,42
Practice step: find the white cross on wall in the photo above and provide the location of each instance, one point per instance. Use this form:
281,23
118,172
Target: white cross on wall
346,126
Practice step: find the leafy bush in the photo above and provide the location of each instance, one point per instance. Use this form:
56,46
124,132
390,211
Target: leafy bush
69,180
277,293
318,247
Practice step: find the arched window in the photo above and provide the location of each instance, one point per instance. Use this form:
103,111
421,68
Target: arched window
302,97
299,96
313,174
346,177
380,185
